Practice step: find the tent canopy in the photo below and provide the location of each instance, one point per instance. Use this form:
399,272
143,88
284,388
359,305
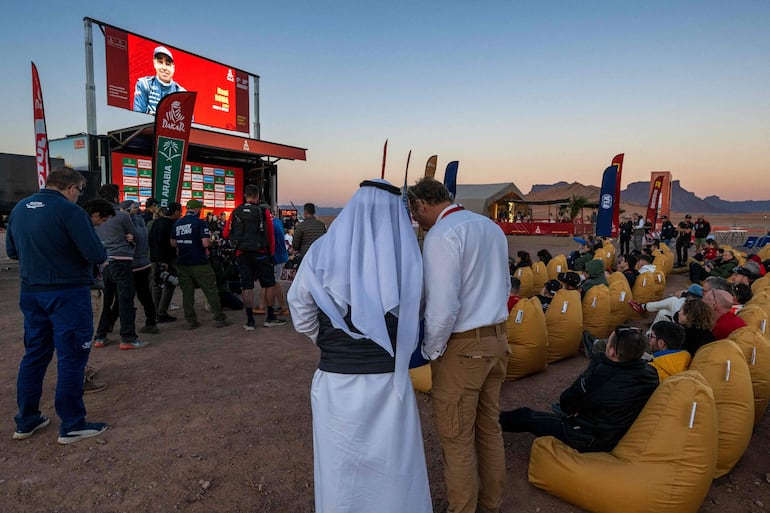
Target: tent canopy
480,197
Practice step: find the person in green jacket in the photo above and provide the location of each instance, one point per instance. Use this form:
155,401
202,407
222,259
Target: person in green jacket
721,267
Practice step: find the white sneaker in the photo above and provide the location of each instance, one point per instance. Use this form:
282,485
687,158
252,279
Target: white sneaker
249,327
172,306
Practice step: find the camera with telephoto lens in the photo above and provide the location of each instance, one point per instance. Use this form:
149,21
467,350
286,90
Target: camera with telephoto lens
164,276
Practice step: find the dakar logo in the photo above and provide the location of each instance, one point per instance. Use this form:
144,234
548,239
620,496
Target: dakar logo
606,201
170,149
245,145
230,75
174,119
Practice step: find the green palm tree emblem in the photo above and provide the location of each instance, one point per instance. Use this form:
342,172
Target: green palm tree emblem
170,149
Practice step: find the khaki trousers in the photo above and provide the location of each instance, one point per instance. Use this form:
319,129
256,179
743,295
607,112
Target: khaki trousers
466,408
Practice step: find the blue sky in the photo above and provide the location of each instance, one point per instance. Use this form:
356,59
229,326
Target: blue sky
516,91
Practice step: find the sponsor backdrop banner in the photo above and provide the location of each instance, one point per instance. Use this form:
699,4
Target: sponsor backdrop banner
220,188
223,91
607,200
172,133
41,136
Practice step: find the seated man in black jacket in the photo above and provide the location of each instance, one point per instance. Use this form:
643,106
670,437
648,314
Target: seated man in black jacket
602,403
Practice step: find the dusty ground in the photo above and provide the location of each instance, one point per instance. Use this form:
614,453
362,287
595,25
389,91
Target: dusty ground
219,421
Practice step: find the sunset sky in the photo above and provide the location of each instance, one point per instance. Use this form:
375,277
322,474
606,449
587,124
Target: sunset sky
523,92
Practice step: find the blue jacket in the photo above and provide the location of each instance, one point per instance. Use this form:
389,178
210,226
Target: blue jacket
54,241
281,255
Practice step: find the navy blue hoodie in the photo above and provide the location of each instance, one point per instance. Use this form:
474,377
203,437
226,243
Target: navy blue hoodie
54,241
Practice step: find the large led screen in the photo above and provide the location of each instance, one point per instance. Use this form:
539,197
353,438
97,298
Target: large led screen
219,188
141,71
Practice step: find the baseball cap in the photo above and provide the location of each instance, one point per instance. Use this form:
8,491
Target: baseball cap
128,205
163,51
570,278
744,272
194,203
688,216
580,241
695,290
151,202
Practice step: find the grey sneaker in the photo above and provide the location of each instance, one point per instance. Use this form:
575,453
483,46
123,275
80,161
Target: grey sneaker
272,323
23,435
88,430
136,344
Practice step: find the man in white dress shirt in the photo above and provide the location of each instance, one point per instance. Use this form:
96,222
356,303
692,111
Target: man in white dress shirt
466,284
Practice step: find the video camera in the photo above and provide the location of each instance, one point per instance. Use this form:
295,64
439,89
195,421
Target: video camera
163,276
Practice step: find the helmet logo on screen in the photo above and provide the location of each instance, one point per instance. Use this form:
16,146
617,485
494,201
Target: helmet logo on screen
174,119
607,201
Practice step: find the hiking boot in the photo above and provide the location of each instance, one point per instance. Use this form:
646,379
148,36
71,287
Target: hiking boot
193,325
88,430
165,318
136,344
89,387
150,328
222,323
23,435
249,326
271,323
100,342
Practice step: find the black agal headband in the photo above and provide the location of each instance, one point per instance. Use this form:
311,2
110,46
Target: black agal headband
384,186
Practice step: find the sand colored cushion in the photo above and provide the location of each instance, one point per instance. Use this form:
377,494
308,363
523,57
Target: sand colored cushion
723,365
616,276
527,338
620,295
764,253
539,276
524,274
757,317
756,349
659,284
564,323
422,379
558,264
762,300
596,311
664,464
761,284
643,289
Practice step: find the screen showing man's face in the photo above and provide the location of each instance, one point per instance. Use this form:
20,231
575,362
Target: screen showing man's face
164,68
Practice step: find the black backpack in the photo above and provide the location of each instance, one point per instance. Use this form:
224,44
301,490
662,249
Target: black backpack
248,230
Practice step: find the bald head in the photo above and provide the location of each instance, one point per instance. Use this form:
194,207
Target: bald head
718,300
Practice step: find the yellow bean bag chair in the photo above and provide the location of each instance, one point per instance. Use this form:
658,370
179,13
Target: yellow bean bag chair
527,338
762,300
764,253
723,365
539,277
643,290
605,256
610,249
422,378
761,284
596,311
664,464
524,274
756,349
659,284
564,323
558,264
757,317
616,276
620,295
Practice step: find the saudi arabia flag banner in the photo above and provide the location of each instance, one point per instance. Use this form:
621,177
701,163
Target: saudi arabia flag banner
172,132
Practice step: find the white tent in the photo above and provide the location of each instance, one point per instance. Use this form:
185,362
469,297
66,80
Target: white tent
480,198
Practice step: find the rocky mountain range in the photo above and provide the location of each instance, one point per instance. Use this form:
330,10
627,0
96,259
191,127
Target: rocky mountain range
638,193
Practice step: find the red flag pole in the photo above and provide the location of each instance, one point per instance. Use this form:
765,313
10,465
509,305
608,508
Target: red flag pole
41,135
384,157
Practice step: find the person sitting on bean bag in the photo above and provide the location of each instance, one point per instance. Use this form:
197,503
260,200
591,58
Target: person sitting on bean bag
602,403
668,357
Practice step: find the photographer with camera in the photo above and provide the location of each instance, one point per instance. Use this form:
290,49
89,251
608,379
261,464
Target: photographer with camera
163,258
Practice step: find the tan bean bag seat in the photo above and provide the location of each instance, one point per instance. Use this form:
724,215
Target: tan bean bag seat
606,256
620,295
764,253
663,261
596,311
664,464
659,284
539,277
723,365
610,248
762,300
756,349
527,338
761,284
524,274
564,323
644,290
422,379
558,264
757,317
616,276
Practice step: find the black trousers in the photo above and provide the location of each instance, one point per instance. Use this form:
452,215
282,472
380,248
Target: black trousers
541,423
625,245
681,250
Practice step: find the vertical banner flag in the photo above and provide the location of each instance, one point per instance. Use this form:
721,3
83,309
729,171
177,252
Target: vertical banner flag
430,166
656,186
41,136
450,177
384,157
403,191
664,204
617,160
607,200
173,118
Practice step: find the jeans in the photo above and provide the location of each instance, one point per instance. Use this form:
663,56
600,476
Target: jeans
143,294
60,320
541,423
119,281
